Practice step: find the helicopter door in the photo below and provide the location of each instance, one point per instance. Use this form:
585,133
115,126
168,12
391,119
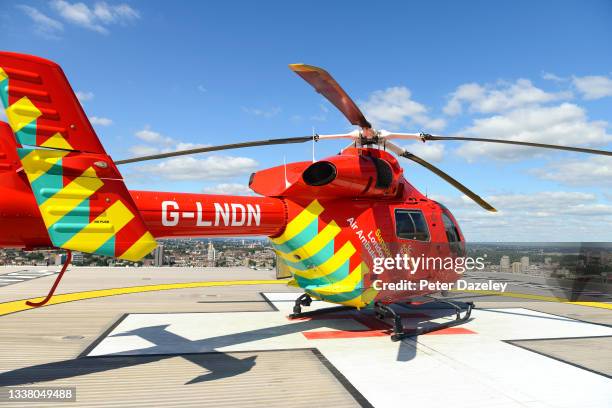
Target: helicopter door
411,225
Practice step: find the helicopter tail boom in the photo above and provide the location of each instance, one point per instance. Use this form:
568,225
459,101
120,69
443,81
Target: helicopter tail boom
207,215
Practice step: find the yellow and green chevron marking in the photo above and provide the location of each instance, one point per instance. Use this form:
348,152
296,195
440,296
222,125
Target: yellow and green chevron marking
66,209
316,265
22,117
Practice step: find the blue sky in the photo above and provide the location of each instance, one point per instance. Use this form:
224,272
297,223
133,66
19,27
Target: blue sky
158,75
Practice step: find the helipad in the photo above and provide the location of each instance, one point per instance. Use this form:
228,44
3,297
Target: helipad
234,345
474,366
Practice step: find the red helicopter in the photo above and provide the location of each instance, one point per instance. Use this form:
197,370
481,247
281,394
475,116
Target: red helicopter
329,220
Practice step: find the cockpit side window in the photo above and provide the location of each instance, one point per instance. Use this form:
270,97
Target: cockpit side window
411,224
456,246
452,232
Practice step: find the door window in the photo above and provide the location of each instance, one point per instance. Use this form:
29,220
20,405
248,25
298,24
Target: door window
411,224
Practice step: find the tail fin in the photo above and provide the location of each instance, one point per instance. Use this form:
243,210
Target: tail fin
79,190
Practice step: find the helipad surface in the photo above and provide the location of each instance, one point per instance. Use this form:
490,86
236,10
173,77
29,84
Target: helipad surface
475,366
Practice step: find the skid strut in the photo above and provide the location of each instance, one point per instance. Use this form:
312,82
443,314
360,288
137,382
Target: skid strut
383,311
303,300
306,300
55,284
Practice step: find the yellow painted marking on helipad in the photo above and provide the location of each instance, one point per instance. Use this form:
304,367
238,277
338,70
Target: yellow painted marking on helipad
600,305
20,305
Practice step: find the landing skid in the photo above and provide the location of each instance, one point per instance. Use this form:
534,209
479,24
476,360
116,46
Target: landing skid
383,311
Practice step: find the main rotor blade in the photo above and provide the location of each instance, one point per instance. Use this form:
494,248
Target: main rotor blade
327,86
288,140
515,142
427,137
406,154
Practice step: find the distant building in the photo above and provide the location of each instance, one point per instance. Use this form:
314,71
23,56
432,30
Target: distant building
158,255
524,263
547,260
77,258
516,267
504,264
59,259
211,254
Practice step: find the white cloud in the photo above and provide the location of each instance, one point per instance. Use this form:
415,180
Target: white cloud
97,18
143,150
202,89
393,107
566,124
542,216
500,97
544,202
84,96
98,121
151,136
522,112
465,92
158,143
591,171
430,152
593,87
229,189
79,14
264,113
209,168
115,13
549,76
43,24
